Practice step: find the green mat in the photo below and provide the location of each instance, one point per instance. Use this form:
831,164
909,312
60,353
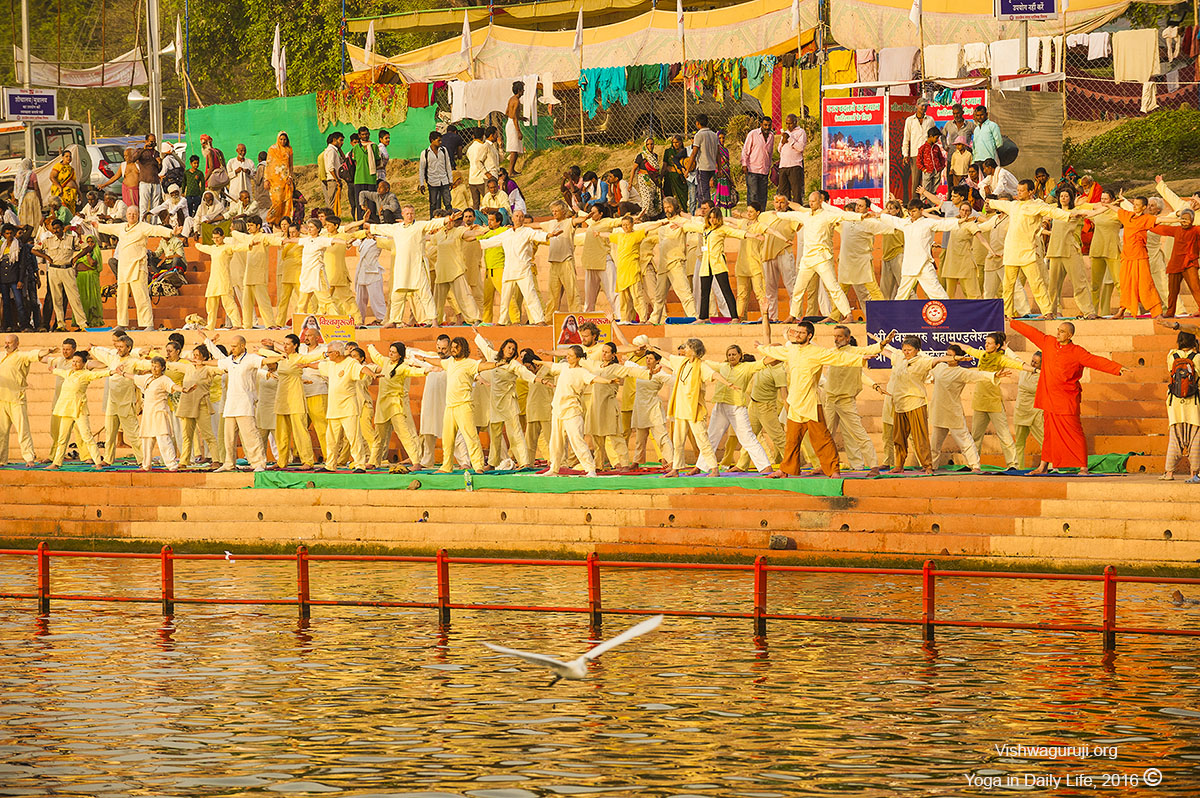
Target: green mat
532,483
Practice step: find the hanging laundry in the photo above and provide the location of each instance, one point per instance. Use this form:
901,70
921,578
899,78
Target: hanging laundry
868,67
897,63
1033,53
975,56
664,76
841,67
1135,55
604,86
1172,41
756,70
1172,80
547,97
475,99
1149,94
942,60
943,97
1077,40
1099,46
1006,56
418,95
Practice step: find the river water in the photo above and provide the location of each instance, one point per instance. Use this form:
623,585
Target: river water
107,700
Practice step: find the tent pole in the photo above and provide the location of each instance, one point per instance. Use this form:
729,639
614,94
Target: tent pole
579,84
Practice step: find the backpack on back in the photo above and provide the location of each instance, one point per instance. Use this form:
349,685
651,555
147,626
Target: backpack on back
1184,383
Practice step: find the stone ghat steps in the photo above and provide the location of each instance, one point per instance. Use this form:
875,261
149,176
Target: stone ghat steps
1080,519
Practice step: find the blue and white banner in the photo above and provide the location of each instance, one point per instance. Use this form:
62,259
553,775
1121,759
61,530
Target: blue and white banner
936,322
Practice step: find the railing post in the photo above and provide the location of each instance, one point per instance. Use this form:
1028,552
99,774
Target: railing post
760,596
593,577
302,581
168,581
443,587
43,579
1110,609
928,611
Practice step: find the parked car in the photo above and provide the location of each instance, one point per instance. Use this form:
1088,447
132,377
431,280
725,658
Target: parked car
49,139
106,162
657,113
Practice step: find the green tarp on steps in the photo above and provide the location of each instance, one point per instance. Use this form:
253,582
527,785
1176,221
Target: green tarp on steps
532,483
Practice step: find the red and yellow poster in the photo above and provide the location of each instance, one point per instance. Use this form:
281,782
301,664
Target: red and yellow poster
566,327
329,328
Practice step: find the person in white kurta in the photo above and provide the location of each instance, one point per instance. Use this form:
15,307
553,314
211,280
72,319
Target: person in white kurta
649,419
312,266
946,415
518,244
856,255
155,427
410,277
368,277
816,258
917,267
241,399
566,411
132,276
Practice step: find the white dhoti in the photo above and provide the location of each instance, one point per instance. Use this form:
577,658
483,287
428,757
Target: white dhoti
512,139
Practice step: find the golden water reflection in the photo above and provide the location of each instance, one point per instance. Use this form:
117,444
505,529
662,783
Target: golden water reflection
115,700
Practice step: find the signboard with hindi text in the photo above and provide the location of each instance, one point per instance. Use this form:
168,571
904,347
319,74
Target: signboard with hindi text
566,327
30,105
936,322
1026,10
329,328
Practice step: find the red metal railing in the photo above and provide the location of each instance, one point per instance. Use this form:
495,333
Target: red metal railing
1108,628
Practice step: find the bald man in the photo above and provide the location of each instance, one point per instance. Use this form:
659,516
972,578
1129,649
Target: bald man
14,379
241,400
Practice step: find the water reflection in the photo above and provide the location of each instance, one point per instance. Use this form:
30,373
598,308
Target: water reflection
114,700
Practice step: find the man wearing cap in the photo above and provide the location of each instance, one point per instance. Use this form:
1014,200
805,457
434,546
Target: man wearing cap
57,248
175,204
915,129
960,160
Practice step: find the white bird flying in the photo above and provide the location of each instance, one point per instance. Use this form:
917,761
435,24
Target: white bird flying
577,668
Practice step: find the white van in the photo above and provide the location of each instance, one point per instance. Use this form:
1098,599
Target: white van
49,139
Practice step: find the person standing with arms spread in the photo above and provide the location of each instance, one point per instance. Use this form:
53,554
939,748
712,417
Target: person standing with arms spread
280,178
1020,255
756,161
14,412
514,144
818,220
131,265
241,398
1058,394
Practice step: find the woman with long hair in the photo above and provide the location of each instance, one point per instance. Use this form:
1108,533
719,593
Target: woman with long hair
712,262
393,413
280,178
687,408
674,173
1064,253
505,412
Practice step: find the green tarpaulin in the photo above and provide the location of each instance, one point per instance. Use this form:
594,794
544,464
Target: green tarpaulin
532,483
256,123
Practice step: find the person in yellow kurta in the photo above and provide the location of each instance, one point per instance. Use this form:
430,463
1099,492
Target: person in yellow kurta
595,254
1064,254
120,407
714,233
14,413
366,407
816,259
1025,215
493,267
687,409
561,257
539,395
72,409
254,280
450,273
626,243
194,409
570,379
649,421
1104,252
155,426
731,407
804,361
987,403
959,270
287,285
219,290
342,424
393,414
750,275
906,387
504,412
291,409
461,371
337,298
842,384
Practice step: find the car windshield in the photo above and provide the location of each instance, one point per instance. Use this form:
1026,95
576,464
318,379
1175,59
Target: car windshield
59,138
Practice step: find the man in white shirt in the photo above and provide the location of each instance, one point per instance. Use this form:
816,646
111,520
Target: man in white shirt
477,156
410,277
331,163
241,399
175,204
997,180
241,173
915,129
244,206
818,221
518,244
131,266
919,232
434,174
494,199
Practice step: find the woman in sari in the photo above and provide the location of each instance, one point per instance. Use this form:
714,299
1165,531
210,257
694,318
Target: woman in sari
25,192
63,183
674,173
645,173
279,178
87,277
724,194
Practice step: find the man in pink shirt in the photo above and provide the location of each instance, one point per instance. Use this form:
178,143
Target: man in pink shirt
792,142
756,160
